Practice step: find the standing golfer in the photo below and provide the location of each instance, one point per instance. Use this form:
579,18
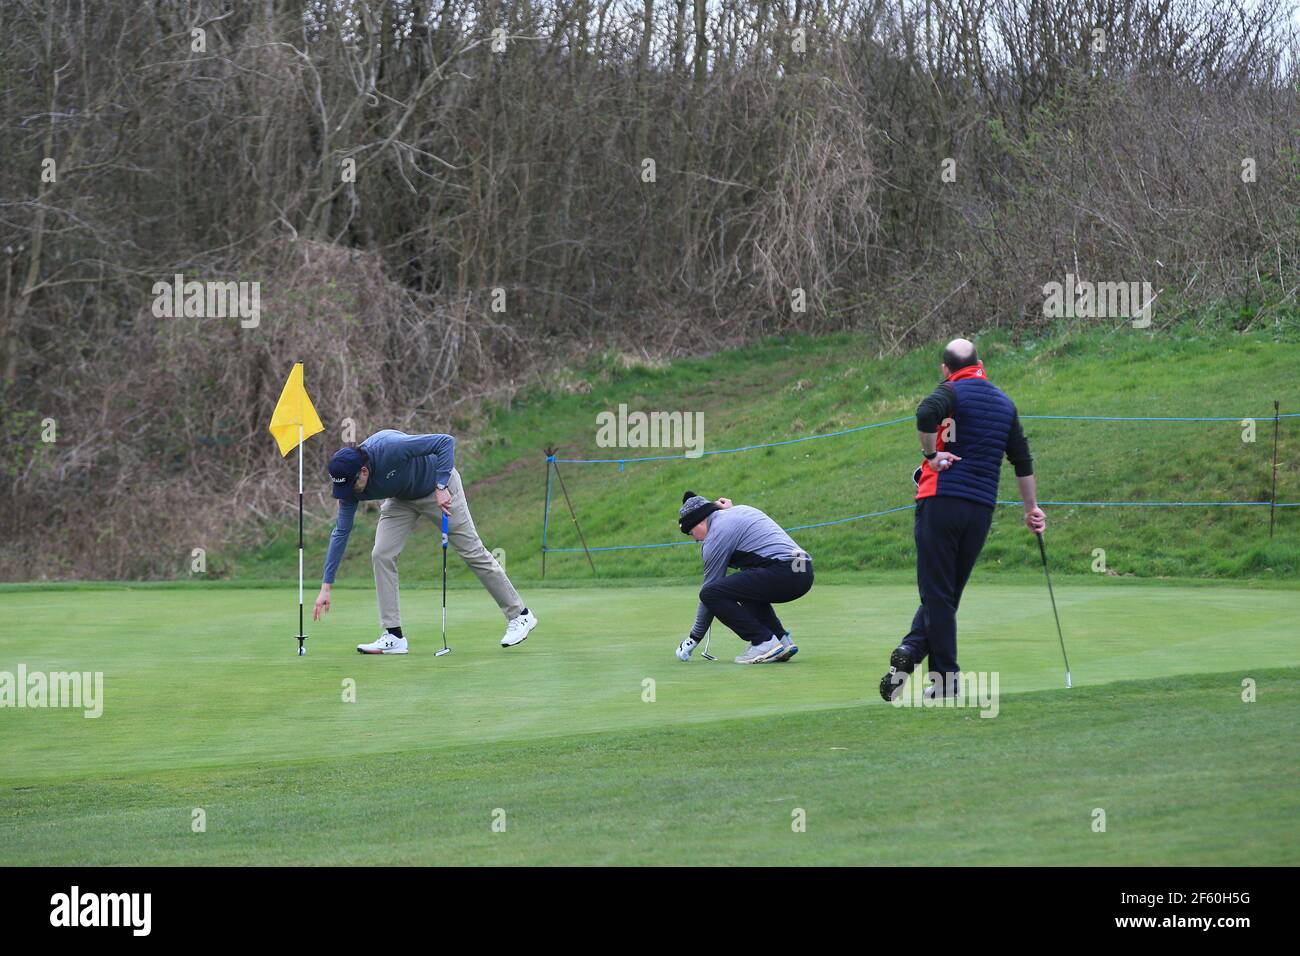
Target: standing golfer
773,569
966,425
415,475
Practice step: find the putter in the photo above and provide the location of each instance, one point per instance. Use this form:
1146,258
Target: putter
704,651
445,648
1042,549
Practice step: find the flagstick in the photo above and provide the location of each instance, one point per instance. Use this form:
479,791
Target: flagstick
302,651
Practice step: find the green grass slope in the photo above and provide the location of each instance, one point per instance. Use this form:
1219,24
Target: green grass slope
206,706
786,389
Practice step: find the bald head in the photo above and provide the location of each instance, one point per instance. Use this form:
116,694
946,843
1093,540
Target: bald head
958,354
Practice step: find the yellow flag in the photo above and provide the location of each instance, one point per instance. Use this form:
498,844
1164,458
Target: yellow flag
293,409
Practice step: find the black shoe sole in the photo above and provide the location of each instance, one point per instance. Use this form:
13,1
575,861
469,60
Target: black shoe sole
900,663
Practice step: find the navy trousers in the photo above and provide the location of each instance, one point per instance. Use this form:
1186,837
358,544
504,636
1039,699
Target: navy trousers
743,601
949,534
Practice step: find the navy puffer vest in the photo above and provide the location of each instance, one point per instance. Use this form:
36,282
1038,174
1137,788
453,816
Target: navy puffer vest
981,426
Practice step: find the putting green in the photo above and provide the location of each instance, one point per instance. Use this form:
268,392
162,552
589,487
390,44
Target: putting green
206,704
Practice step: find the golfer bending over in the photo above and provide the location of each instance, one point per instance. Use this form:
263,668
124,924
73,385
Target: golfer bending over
415,475
773,569
965,427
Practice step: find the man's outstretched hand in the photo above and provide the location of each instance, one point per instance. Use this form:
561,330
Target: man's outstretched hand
322,602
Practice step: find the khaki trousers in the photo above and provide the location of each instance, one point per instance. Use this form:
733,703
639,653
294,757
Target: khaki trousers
397,518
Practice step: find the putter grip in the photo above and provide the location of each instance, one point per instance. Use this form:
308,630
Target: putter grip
444,531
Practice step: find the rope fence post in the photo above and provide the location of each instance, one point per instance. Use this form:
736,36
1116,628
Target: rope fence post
573,514
1272,507
546,508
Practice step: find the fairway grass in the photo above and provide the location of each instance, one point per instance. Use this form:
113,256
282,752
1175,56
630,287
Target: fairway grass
207,706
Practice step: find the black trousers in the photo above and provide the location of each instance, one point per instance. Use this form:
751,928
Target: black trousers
949,534
743,601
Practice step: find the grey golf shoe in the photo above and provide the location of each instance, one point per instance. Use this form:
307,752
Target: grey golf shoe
788,649
761,653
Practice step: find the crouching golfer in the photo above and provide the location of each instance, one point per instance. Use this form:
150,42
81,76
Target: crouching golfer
415,475
966,425
772,569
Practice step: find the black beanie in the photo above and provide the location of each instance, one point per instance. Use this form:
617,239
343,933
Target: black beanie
694,510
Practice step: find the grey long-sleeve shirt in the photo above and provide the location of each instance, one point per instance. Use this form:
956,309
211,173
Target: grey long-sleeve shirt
740,537
401,466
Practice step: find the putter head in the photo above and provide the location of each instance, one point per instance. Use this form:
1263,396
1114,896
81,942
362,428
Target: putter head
443,651
707,656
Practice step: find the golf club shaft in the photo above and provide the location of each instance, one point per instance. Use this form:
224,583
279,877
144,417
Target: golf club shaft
444,581
1042,550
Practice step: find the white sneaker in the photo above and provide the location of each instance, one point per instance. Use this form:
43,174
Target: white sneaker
788,649
385,643
518,628
685,647
761,653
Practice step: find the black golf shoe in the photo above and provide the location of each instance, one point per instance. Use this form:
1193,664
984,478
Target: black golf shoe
901,666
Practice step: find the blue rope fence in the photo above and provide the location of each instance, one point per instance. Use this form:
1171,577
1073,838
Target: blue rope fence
552,460
895,421
912,507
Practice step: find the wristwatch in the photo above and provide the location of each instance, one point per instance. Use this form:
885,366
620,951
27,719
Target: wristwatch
442,487
931,455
